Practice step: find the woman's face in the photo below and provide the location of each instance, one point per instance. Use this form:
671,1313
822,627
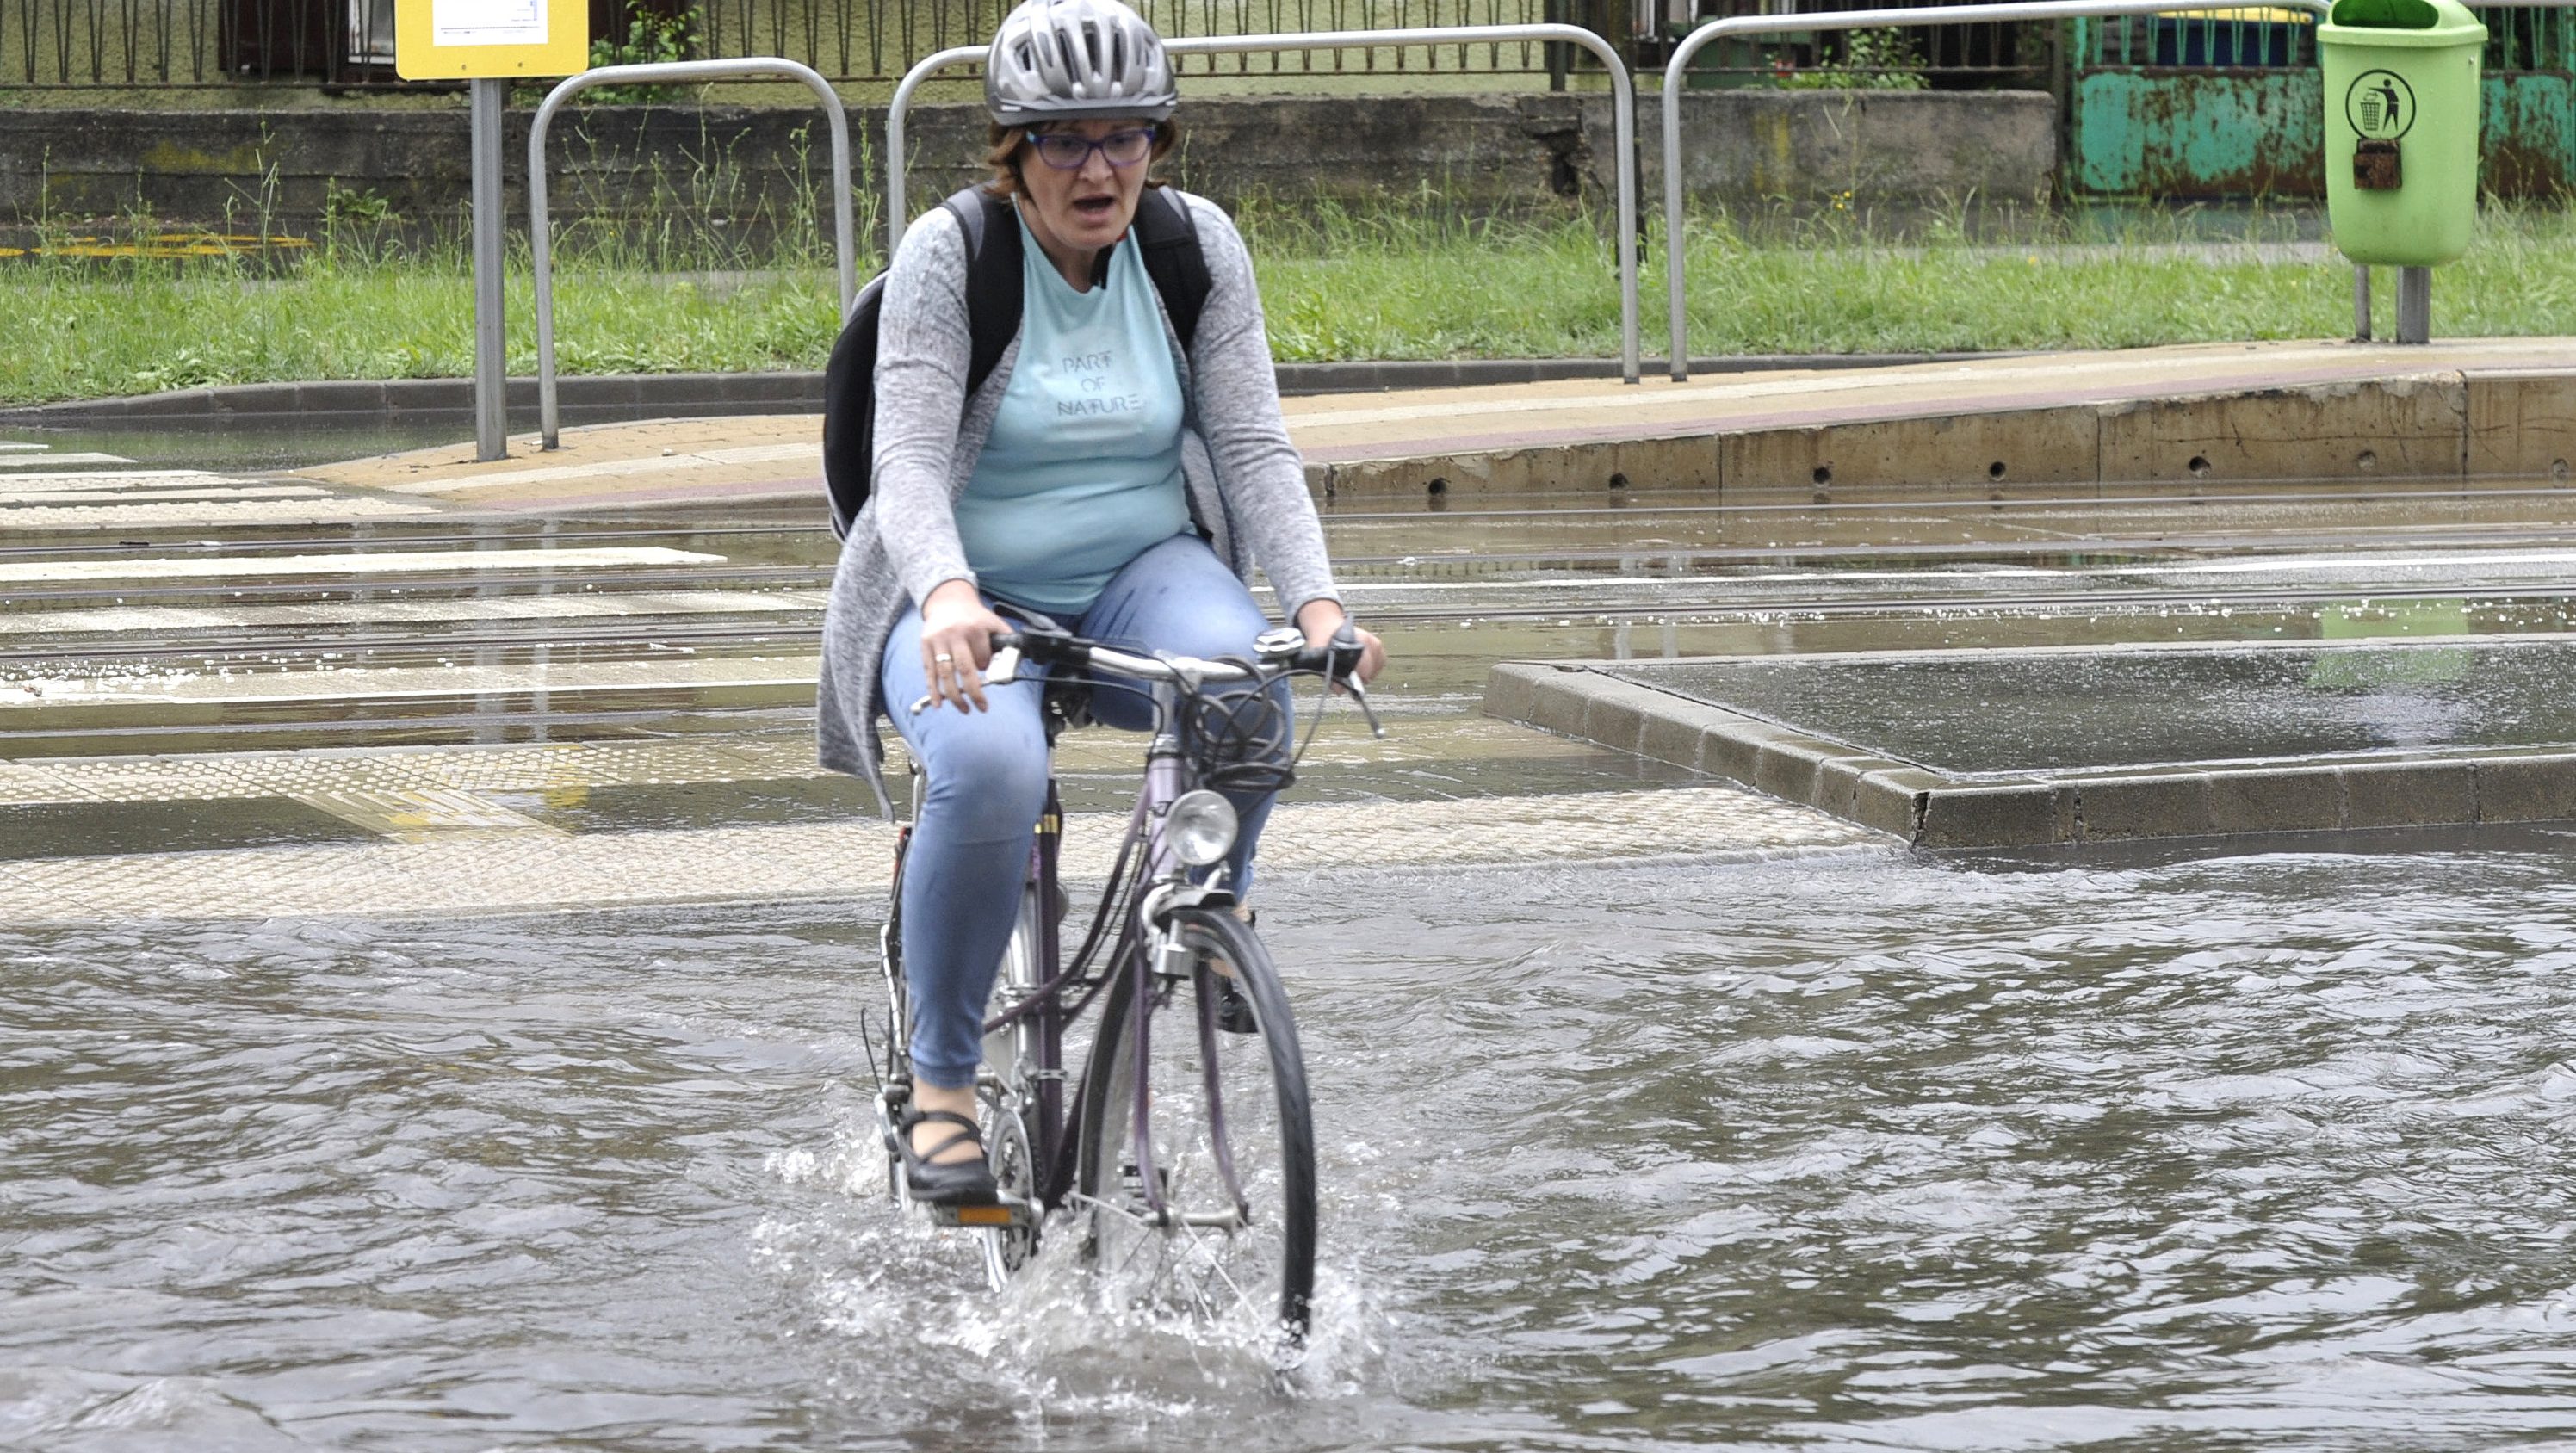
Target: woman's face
1076,211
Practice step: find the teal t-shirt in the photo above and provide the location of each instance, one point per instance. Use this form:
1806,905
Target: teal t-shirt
1082,472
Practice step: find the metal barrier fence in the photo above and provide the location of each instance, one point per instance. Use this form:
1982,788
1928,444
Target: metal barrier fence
2414,304
1929,52
541,228
158,44
117,44
1676,224
881,39
1623,112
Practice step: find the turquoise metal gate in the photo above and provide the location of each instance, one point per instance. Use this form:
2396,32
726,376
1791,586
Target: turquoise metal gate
2227,104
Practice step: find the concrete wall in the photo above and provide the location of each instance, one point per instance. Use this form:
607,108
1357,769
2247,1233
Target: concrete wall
1482,153
1884,148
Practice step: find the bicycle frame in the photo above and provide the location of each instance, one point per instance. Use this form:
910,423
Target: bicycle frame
1024,1070
1024,1055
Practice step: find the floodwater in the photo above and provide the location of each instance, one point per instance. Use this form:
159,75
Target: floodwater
2102,709
261,445
1871,1151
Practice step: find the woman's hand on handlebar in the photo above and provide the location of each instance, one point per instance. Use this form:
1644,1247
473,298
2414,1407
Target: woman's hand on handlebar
957,631
1320,618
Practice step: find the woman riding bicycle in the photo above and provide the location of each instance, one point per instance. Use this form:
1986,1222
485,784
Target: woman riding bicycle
1104,475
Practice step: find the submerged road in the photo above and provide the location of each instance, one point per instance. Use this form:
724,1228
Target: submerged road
1654,1114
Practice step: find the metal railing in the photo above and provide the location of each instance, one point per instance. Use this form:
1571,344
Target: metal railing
1623,113
1926,53
161,44
881,39
541,230
1676,237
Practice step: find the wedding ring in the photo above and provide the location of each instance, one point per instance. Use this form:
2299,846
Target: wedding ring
943,658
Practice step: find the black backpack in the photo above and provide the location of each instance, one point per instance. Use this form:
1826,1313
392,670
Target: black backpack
1173,259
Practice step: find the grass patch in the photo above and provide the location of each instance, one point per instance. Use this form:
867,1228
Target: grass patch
1391,282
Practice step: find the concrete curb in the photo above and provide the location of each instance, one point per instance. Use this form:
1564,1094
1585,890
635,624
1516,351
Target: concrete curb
2441,423
1932,809
624,398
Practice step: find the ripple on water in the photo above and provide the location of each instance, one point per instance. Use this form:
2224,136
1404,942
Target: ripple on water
1868,1152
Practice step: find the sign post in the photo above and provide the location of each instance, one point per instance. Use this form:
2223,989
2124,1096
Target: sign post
489,43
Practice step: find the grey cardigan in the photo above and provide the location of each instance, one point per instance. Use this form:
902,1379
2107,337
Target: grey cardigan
1246,483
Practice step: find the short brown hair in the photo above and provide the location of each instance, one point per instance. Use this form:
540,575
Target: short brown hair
1002,153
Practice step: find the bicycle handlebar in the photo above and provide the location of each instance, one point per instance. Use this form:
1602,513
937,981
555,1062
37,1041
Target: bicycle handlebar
1283,652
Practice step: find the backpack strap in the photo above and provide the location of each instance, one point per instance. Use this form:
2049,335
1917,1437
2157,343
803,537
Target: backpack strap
1168,236
993,300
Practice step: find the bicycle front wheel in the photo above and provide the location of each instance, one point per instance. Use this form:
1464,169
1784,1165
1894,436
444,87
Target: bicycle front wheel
1210,1210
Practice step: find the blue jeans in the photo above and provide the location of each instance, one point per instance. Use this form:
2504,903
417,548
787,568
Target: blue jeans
984,779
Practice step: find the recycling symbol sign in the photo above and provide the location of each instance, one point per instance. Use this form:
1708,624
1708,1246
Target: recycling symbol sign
2380,106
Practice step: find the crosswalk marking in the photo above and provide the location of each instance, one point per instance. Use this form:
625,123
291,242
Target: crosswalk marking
587,606
13,461
94,478
410,682
139,482
56,497
391,562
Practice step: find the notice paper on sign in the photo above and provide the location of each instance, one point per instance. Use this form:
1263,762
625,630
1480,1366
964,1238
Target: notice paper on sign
487,22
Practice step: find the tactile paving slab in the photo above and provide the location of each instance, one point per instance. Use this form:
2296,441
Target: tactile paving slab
515,872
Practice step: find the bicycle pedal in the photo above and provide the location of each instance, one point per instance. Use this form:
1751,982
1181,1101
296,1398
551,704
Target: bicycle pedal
1009,1211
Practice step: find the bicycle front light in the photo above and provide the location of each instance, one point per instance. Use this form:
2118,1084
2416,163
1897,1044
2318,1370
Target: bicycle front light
1200,827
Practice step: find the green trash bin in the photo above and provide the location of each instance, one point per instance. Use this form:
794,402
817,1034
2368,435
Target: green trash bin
2401,81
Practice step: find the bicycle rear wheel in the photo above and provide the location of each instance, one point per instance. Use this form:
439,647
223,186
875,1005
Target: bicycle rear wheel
1229,1143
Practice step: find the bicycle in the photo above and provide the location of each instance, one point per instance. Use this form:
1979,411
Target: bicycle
1185,1160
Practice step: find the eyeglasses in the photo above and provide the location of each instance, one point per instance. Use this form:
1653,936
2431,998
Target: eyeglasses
1066,152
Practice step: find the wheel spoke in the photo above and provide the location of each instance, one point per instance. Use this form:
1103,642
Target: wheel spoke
1232,1154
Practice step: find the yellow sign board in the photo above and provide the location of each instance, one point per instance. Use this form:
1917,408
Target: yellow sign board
439,40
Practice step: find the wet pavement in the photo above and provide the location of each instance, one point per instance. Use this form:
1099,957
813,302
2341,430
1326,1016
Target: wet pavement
2088,708
430,966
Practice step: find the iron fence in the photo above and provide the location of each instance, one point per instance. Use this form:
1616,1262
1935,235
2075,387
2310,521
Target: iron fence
2521,40
116,44
122,44
1974,56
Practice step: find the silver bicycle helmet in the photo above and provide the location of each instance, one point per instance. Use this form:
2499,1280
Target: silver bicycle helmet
1064,60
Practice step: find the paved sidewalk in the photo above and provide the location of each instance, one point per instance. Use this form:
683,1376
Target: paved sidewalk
1348,438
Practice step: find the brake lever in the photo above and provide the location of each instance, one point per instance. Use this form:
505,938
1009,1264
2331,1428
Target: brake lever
1002,670
1368,713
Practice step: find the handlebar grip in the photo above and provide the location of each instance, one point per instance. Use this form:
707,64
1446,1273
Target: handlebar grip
1337,658
1047,647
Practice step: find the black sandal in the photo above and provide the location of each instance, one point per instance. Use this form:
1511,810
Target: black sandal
1234,1007
945,1183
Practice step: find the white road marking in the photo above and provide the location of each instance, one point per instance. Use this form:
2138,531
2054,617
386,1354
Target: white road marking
411,682
390,562
804,453
2270,563
585,606
157,494
12,446
13,461
103,478
208,513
